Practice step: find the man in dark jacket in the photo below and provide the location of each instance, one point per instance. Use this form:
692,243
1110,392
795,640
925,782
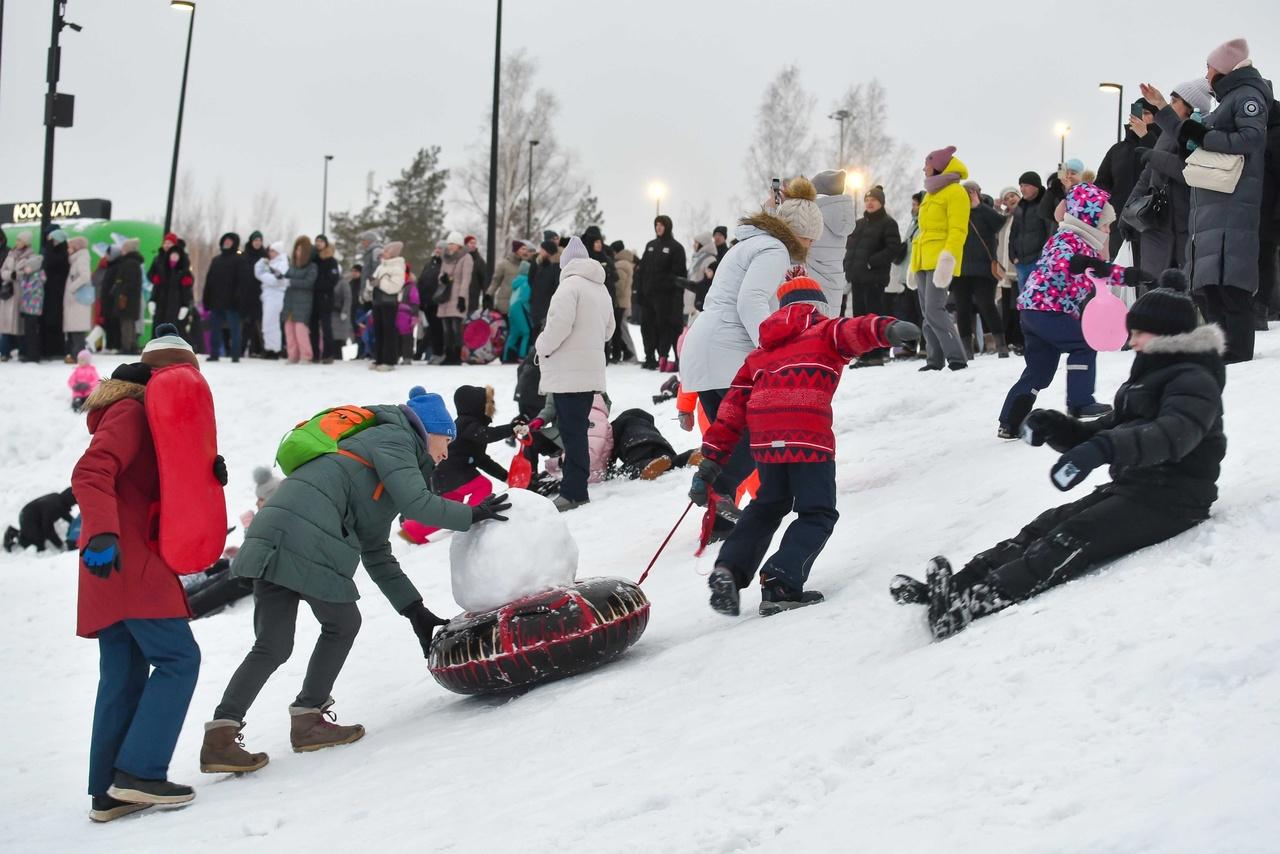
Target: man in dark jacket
662,297
720,237
1122,165
593,239
1030,231
479,273
869,253
1164,442
57,267
1222,257
250,291
222,296
328,278
35,522
543,281
974,287
124,289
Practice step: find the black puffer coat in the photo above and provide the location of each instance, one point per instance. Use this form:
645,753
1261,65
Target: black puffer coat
469,453
221,291
170,286
636,439
871,250
982,245
248,288
1029,232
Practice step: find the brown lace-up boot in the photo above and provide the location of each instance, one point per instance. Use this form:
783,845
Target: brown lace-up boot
223,750
314,729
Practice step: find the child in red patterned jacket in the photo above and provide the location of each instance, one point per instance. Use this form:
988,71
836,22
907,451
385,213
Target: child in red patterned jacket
782,396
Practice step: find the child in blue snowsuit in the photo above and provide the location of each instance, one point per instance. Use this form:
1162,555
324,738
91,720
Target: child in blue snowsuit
519,329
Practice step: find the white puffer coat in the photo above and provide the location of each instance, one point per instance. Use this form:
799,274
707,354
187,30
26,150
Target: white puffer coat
579,322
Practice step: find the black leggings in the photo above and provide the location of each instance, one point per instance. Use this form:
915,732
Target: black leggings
386,338
980,292
452,331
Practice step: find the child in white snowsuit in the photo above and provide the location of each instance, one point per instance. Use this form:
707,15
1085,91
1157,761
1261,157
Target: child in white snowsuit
1164,442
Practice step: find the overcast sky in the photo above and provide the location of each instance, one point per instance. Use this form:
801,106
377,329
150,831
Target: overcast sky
654,90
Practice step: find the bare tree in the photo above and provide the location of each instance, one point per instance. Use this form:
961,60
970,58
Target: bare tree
266,216
199,220
870,150
527,113
783,145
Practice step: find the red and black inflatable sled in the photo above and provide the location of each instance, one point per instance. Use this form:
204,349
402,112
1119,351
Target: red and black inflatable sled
192,526
539,638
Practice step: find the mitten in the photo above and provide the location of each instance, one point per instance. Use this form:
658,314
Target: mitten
1074,466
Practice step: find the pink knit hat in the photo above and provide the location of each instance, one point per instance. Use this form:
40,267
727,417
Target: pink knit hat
940,158
1227,56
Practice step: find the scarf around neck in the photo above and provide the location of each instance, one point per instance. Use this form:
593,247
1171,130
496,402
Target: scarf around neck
934,183
1090,234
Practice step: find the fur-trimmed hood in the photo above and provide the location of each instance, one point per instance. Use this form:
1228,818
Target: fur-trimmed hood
108,393
1208,338
775,227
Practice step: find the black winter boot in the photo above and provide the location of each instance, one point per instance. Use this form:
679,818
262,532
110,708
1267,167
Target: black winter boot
136,790
906,590
951,610
774,599
106,808
724,591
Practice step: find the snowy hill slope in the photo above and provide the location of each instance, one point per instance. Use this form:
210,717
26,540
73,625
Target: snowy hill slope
1133,710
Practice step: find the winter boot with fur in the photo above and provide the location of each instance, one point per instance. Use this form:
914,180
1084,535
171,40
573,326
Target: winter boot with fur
223,750
313,729
951,610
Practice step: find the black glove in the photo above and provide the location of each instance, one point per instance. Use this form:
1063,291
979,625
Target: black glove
491,508
1080,263
220,469
424,624
461,304
1190,131
1043,426
708,473
901,332
101,555
1074,466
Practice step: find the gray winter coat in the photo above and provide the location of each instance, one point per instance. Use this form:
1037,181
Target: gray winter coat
826,255
301,292
1223,249
742,295
1163,247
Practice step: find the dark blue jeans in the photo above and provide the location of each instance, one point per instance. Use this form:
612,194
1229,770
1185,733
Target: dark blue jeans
807,488
1049,334
231,318
140,711
573,414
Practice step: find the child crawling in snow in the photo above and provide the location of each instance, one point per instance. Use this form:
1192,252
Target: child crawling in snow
1163,440
458,477
782,397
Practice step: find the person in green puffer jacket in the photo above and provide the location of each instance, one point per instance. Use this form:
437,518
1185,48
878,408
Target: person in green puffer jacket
333,513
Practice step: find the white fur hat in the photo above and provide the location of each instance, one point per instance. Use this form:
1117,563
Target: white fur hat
456,238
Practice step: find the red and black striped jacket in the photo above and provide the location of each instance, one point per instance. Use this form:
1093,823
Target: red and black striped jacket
783,391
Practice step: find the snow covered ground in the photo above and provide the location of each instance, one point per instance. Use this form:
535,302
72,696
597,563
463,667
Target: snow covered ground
1134,710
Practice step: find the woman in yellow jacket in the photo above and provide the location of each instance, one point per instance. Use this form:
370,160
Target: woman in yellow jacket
936,254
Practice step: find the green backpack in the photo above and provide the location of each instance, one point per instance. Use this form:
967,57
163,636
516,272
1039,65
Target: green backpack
320,435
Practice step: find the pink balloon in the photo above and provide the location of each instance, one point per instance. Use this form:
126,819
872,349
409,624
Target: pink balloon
1103,321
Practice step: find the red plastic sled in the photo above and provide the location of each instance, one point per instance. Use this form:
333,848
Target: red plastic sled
520,474
193,511
1103,321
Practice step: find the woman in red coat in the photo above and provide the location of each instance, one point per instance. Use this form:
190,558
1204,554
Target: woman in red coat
130,599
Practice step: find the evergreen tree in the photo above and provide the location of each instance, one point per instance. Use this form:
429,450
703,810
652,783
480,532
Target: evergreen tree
344,226
587,213
415,211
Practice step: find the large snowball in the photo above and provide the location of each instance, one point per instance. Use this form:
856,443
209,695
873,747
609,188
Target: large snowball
498,562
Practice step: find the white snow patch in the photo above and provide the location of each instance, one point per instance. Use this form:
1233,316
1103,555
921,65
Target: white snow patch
498,562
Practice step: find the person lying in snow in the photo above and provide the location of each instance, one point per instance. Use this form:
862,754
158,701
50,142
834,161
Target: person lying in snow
1164,442
36,522
782,397
641,451
333,513
458,476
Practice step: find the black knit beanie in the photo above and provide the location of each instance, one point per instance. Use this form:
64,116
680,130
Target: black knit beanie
1166,310
1032,178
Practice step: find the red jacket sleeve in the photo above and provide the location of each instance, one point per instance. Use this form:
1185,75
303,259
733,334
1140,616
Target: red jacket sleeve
93,481
723,435
853,336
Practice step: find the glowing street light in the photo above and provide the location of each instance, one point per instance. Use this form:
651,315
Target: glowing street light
1060,130
1118,88
657,192
854,181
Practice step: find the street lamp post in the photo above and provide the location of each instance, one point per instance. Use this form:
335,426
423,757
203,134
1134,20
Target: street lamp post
841,116
1061,129
528,220
58,108
656,192
1118,88
190,7
493,142
324,202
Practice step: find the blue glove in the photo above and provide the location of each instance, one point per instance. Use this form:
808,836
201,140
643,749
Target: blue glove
1074,466
101,555
708,473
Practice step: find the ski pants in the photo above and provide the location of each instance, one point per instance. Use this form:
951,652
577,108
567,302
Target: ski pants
1232,309
1067,541
807,488
740,464
147,674
275,618
470,493
1048,335
573,417
272,305
231,319
941,340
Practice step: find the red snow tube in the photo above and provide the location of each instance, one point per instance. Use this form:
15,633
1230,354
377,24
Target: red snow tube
539,638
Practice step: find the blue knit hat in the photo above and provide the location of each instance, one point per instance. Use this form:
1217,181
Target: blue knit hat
432,412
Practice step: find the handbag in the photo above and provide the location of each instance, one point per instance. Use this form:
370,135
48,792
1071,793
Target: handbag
1146,212
6,289
86,294
998,271
1213,170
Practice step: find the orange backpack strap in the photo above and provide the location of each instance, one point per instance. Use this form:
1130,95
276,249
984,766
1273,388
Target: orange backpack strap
381,487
